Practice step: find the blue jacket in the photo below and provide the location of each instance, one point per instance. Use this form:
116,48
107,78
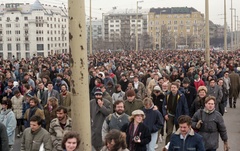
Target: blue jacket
8,119
181,109
153,120
193,141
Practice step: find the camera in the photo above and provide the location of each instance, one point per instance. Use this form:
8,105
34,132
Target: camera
136,138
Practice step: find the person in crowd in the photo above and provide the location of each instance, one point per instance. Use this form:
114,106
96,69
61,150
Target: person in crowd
198,82
124,82
152,83
110,88
224,90
29,80
189,91
139,87
100,108
58,127
199,102
132,103
185,137
115,140
49,93
17,104
226,84
50,111
234,88
35,136
66,99
106,95
165,88
9,89
210,125
3,138
33,110
215,90
174,105
115,120
59,82
7,117
71,141
138,134
40,92
118,94
154,122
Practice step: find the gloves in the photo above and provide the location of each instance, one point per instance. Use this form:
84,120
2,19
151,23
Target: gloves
226,147
199,124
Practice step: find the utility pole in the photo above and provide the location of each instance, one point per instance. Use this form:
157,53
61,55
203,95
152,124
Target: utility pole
235,33
79,68
231,26
207,41
90,35
225,27
136,27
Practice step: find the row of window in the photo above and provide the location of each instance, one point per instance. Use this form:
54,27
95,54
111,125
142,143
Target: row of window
174,22
18,47
38,18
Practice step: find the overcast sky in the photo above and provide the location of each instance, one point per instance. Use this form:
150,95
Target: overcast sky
216,6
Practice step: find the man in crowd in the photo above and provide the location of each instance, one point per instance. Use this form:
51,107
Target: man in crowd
65,98
132,104
234,88
60,126
40,92
49,93
189,92
139,87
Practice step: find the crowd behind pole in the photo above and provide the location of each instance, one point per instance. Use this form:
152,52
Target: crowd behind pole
132,96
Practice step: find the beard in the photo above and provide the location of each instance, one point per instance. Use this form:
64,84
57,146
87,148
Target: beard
119,112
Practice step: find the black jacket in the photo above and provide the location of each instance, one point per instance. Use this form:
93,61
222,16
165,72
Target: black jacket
143,132
190,94
3,138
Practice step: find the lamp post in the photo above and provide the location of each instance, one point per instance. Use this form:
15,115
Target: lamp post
231,26
207,41
225,27
235,31
136,26
90,26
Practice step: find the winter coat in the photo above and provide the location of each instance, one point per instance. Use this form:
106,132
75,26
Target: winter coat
8,119
154,119
98,115
235,85
217,93
105,149
193,141
181,109
41,96
212,126
144,134
198,83
66,101
3,138
57,132
49,115
54,93
141,91
190,94
118,96
17,104
26,117
199,103
131,106
9,95
158,101
31,141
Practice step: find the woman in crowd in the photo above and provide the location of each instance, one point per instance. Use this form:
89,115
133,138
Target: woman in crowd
115,140
50,111
138,135
71,141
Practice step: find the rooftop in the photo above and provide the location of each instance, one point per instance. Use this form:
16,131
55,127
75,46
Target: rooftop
173,10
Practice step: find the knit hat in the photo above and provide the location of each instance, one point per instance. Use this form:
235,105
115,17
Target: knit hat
196,76
157,88
98,92
186,80
138,112
202,88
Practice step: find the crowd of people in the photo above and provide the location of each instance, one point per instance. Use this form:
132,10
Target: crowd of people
132,96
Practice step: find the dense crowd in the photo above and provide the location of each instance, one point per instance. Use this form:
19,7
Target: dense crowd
132,96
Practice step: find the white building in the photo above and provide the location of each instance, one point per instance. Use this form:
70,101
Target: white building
96,29
27,29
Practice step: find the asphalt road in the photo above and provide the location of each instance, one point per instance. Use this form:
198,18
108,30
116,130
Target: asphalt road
232,122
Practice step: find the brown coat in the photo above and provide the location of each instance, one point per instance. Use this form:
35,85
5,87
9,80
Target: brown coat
66,101
38,112
234,85
49,115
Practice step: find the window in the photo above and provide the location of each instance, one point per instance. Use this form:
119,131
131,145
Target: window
8,25
27,47
1,47
40,47
18,47
175,22
25,18
9,47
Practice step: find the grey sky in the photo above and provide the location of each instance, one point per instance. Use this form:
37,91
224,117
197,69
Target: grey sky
216,6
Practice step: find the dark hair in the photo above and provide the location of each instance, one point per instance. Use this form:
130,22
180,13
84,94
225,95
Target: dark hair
11,80
16,92
130,93
117,102
7,102
118,137
70,135
36,118
176,84
185,119
63,85
27,86
117,86
62,108
34,99
49,82
210,98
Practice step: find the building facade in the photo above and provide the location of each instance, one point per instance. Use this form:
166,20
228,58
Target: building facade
172,28
28,29
97,35
120,26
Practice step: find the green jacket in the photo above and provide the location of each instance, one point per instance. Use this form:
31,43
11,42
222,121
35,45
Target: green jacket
131,106
31,141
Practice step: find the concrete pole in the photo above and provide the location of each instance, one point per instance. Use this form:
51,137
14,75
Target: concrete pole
136,29
207,41
225,27
231,26
90,35
235,30
160,37
79,79
237,35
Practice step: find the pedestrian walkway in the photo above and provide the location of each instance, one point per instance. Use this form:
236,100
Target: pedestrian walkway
232,121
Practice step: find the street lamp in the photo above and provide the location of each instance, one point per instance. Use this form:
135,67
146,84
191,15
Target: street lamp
90,35
207,41
136,27
225,27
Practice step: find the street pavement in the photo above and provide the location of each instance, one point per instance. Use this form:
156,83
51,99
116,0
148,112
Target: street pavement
232,122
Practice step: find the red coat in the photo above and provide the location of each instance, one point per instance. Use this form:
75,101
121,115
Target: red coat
198,83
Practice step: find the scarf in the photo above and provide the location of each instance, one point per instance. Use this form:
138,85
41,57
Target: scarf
132,134
32,112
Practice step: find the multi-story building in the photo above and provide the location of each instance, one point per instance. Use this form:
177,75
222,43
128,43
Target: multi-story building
27,29
97,35
120,27
175,27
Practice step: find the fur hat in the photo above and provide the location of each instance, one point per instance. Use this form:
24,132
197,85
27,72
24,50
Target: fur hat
202,88
138,112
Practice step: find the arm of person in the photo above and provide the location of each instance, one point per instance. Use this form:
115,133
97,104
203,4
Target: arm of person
105,129
105,109
195,119
146,137
23,142
11,124
200,145
53,136
47,142
185,106
159,122
222,128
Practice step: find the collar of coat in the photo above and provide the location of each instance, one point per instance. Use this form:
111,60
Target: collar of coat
178,132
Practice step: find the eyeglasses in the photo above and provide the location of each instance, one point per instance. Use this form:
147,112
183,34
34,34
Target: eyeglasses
157,91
